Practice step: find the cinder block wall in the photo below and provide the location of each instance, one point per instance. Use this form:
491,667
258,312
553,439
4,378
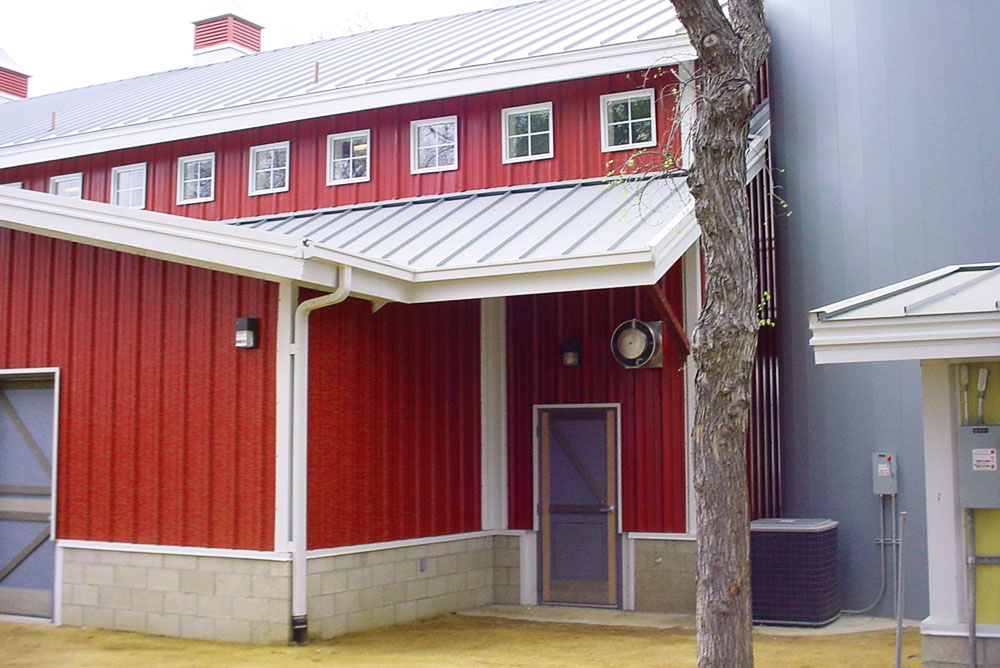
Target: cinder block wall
665,575
211,598
507,569
353,592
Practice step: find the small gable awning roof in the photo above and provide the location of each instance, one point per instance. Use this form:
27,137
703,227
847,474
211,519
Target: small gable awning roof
539,238
509,241
950,313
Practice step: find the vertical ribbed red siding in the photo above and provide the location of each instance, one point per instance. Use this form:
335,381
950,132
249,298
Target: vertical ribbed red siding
577,145
394,427
166,430
652,400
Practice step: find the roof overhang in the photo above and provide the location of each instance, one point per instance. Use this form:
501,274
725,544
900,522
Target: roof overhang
294,257
459,81
951,313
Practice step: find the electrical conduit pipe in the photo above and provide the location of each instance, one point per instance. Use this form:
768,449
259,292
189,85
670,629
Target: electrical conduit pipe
300,447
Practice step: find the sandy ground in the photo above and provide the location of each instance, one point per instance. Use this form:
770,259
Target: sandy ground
446,642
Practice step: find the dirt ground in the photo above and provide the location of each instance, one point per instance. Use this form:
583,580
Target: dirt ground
446,642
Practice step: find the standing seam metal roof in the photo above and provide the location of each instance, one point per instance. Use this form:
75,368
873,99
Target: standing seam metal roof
399,53
496,226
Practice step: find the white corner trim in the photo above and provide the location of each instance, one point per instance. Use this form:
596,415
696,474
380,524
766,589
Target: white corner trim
493,398
691,271
57,594
287,302
177,550
687,101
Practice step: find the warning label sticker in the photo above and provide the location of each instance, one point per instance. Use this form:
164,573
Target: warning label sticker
984,459
884,470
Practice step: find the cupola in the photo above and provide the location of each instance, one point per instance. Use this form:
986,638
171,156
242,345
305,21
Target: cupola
13,82
224,35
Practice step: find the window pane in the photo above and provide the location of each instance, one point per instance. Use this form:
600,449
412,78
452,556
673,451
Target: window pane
640,107
446,156
540,121
341,170
204,189
261,181
204,168
518,147
427,157
341,148
262,160
359,146
445,132
425,136
618,111
278,179
539,144
280,158
642,131
190,191
619,134
360,168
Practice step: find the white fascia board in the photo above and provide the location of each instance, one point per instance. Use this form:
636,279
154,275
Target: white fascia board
906,338
315,104
211,245
874,295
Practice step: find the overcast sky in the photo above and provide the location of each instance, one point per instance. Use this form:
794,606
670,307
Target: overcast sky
67,44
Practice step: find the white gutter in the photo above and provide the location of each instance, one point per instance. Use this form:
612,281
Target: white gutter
300,447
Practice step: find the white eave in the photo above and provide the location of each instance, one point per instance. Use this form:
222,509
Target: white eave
612,247
949,313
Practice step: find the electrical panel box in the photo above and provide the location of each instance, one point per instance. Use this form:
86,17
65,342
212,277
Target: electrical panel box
978,476
884,473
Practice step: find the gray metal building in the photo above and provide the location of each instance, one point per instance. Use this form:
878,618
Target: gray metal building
885,135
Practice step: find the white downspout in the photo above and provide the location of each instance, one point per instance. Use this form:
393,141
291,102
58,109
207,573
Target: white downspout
300,447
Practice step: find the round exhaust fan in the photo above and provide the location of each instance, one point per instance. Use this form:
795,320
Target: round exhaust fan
638,344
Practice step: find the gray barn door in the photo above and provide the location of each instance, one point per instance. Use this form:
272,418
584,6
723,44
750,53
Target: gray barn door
579,520
27,553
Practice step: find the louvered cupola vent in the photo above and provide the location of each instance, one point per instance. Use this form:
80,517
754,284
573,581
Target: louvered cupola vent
224,37
13,83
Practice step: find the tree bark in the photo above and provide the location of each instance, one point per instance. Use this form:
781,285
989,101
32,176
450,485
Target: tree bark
730,52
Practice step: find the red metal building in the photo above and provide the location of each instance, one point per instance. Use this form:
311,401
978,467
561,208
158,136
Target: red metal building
430,266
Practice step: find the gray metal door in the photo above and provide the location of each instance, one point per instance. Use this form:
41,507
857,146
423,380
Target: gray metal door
27,553
579,520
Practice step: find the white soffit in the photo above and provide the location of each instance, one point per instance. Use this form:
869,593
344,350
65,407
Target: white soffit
490,243
471,53
553,237
952,312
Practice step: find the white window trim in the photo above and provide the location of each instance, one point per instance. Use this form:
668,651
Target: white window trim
414,126
13,184
180,178
254,150
527,109
115,171
613,97
330,139
64,178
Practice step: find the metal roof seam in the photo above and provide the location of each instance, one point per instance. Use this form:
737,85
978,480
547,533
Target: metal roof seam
528,224
490,228
405,223
641,222
418,234
467,222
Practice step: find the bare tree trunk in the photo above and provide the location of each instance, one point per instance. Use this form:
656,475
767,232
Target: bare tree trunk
730,51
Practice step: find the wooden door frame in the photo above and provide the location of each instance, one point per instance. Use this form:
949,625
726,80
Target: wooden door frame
46,373
619,571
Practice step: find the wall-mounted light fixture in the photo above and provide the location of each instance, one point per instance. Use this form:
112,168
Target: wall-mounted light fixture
246,332
572,350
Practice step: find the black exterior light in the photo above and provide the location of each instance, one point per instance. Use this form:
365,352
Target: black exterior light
247,332
572,351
